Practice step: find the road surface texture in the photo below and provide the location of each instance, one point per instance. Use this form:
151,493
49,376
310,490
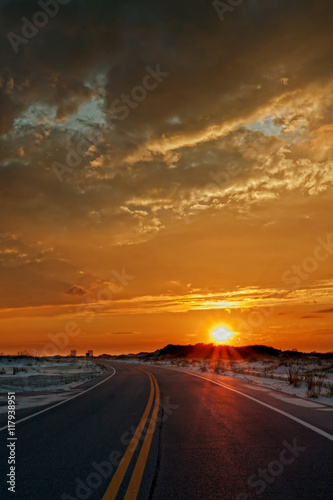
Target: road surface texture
147,432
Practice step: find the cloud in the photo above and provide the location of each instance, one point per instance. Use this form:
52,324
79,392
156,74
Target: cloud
326,311
76,290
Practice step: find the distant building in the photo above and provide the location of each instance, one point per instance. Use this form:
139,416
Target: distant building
90,354
73,352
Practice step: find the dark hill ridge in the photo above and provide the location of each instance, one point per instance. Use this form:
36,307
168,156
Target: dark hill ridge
207,351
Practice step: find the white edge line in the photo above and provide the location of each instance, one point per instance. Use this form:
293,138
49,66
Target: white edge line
296,419
61,402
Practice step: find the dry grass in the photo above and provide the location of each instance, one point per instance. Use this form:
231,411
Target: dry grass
203,367
219,367
315,383
329,393
294,375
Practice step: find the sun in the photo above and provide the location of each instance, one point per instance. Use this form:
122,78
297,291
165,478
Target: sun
222,334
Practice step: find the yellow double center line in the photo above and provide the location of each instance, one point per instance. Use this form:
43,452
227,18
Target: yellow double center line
134,485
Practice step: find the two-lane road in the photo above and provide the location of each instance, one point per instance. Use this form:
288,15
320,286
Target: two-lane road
213,438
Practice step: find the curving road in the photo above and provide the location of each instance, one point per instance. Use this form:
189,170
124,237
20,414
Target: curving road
148,432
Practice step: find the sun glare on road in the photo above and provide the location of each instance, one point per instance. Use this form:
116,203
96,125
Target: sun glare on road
222,334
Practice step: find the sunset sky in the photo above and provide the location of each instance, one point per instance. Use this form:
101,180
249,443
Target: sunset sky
166,169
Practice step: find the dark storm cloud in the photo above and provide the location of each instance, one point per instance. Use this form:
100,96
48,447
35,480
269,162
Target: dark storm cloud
206,58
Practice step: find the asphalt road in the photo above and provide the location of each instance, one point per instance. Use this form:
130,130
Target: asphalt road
165,434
